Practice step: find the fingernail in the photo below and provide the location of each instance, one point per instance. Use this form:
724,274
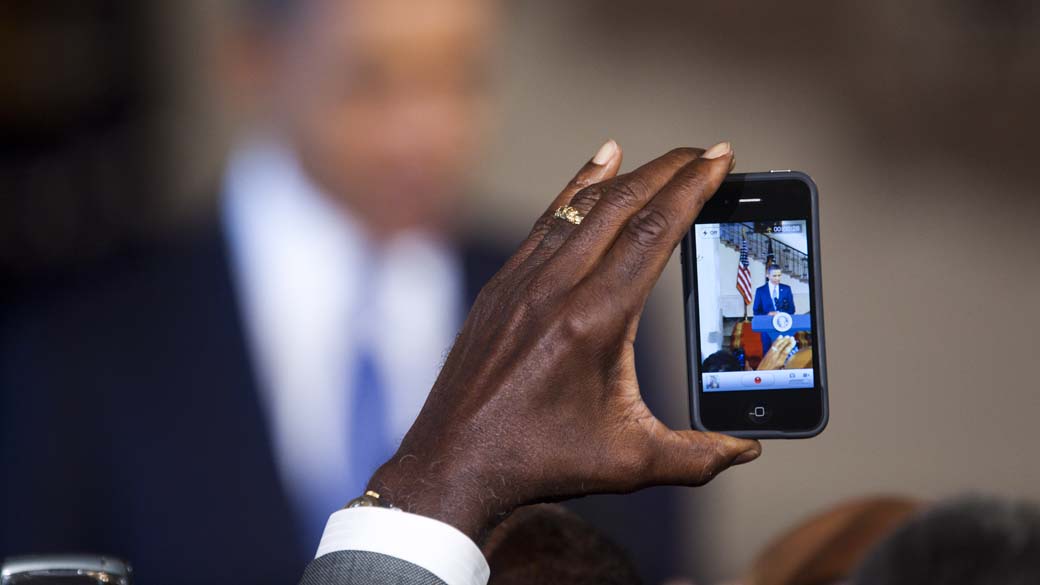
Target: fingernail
605,153
747,456
720,149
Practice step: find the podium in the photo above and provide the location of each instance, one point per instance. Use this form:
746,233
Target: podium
780,324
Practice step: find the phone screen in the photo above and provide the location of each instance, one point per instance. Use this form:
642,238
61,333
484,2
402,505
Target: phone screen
754,319
755,305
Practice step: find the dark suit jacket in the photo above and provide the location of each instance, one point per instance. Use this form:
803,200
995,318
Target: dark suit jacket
365,568
764,305
130,425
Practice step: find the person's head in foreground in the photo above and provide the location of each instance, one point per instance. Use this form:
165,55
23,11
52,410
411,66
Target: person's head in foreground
968,541
550,545
721,361
383,102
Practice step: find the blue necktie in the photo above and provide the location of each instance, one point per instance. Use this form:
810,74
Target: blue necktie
369,447
370,444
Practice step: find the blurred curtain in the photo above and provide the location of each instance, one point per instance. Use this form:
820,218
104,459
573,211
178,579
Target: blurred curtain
77,152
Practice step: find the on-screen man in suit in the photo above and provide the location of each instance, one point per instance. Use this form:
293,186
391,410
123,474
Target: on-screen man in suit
772,298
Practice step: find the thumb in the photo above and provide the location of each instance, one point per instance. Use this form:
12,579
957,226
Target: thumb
694,458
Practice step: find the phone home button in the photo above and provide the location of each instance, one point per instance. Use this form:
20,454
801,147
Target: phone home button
759,413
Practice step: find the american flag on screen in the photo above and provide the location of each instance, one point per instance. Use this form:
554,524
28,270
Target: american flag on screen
743,274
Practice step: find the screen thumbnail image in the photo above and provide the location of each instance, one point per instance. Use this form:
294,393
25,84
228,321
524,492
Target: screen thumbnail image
755,303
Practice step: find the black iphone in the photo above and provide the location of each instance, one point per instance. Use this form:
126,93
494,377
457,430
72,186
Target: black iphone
754,309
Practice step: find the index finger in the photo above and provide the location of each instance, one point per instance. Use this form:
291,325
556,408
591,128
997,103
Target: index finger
645,244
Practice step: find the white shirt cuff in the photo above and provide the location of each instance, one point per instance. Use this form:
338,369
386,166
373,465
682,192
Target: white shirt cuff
433,545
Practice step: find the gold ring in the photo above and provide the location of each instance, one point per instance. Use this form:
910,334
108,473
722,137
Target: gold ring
570,214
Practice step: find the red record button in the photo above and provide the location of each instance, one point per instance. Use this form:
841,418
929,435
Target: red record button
757,380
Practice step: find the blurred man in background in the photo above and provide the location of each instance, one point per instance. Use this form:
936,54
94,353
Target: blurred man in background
338,210
246,374
245,377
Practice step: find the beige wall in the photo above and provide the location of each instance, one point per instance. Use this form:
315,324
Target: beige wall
930,257
913,122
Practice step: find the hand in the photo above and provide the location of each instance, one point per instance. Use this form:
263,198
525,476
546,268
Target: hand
538,399
771,313
776,357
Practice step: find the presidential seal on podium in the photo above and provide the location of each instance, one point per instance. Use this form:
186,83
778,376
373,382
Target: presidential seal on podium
782,322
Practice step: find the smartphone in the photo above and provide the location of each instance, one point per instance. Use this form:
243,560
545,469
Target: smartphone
754,309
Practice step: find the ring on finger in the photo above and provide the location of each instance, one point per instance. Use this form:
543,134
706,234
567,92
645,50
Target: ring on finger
568,213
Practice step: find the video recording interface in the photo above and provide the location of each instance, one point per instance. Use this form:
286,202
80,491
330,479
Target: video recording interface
755,305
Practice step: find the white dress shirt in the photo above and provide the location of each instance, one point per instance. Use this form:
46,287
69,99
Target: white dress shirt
298,263
433,545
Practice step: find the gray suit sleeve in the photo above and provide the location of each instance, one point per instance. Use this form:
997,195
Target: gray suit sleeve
356,567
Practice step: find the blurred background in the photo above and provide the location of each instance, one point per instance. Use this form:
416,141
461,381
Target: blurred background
917,120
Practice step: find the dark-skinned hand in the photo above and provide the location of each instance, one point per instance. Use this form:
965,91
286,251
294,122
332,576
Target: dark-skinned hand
778,353
538,399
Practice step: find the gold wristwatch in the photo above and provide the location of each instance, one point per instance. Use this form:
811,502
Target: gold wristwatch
370,499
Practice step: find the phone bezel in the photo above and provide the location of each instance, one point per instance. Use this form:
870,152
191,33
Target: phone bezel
776,189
